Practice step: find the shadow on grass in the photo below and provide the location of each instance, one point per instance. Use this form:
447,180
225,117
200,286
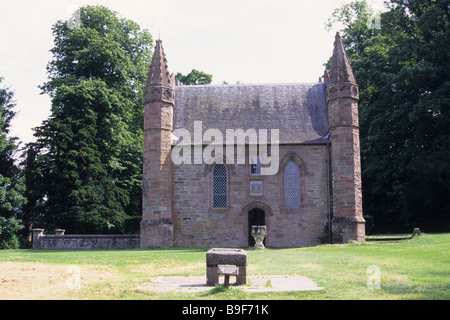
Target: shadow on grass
220,290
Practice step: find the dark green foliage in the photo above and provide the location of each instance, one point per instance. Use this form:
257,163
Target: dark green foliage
33,193
11,185
195,77
403,71
9,229
88,167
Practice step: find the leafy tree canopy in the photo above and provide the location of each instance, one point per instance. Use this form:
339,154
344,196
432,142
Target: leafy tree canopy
195,77
403,70
88,163
11,185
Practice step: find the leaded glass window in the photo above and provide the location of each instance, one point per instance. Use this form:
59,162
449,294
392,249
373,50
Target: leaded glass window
220,186
292,185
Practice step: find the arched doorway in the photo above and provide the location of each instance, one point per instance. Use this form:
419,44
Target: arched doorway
256,217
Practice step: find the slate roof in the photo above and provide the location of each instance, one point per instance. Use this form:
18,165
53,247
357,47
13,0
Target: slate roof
298,110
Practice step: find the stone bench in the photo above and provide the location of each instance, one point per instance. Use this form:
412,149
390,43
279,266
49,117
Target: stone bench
227,271
227,262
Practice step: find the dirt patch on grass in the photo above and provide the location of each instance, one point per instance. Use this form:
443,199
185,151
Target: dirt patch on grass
30,280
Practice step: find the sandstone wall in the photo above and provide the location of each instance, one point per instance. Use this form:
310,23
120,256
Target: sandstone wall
197,224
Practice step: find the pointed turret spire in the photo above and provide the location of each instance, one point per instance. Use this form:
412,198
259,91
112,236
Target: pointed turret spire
340,71
158,74
160,83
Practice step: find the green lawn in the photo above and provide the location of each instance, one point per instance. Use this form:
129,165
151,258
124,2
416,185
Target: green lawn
410,269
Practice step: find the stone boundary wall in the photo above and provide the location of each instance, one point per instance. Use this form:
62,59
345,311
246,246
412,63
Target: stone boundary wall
75,241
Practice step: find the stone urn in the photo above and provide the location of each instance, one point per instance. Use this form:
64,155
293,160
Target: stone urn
259,233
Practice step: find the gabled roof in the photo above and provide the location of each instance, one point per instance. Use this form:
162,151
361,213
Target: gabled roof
299,111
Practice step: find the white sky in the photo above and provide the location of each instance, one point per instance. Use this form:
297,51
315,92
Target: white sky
250,41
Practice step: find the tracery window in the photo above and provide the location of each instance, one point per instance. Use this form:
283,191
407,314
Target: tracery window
220,186
292,185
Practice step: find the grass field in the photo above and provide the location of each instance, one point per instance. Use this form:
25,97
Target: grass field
410,269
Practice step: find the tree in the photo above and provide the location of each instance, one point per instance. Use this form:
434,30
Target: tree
11,186
403,73
354,17
88,163
33,192
194,78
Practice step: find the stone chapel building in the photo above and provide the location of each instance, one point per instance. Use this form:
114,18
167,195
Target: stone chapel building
315,195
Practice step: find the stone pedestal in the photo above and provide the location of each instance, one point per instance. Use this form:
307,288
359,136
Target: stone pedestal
259,233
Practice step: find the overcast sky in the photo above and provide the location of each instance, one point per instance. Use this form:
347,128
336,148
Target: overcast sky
250,41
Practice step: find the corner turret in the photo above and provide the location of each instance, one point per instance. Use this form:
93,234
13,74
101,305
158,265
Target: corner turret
159,100
342,99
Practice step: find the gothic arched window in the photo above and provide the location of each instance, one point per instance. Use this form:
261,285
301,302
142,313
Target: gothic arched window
292,185
220,186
